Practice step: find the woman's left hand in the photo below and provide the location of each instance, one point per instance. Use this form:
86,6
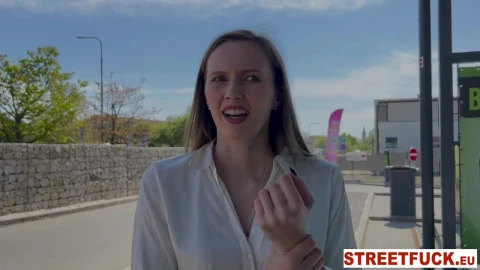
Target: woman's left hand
282,211
304,256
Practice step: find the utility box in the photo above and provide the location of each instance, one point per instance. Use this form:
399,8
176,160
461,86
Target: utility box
402,190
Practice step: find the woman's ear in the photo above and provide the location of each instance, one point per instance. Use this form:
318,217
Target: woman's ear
276,104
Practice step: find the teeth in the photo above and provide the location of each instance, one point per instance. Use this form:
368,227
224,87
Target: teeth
235,112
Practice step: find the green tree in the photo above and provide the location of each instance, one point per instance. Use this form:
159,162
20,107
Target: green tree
353,143
38,102
367,144
321,141
169,134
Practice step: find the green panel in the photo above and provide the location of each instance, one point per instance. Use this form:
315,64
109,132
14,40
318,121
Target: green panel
469,82
469,72
470,182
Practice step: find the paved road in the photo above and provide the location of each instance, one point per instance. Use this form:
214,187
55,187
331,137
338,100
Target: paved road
356,201
93,240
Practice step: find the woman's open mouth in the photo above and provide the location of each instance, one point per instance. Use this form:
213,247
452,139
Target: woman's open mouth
235,116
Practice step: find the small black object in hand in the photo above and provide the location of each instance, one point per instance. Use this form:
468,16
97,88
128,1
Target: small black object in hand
293,171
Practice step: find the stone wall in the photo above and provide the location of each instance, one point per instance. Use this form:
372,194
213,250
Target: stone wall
34,177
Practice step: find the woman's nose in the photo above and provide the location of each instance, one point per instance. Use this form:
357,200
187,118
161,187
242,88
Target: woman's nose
234,91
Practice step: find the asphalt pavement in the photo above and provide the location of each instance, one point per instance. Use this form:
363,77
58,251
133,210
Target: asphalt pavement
94,240
356,201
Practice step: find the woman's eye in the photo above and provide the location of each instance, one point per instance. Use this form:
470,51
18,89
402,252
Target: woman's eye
218,79
252,78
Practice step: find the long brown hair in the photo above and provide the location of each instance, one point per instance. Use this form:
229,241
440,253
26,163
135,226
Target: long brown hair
283,125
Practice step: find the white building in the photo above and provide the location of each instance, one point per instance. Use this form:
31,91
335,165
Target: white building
397,124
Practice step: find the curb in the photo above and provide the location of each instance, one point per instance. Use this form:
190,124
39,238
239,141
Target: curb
416,195
381,184
401,219
363,223
417,230
55,212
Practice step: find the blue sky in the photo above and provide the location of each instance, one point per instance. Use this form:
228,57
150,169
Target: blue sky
339,53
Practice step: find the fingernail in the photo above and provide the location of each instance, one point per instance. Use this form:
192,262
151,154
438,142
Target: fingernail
293,171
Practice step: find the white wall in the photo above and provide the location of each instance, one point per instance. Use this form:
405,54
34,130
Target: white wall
410,111
407,134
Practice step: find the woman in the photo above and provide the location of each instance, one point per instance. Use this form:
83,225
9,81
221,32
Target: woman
242,198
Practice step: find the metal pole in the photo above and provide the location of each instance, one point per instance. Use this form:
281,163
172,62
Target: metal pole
426,122
101,87
446,130
101,83
351,168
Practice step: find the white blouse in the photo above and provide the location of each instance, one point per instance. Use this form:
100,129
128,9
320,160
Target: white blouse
185,219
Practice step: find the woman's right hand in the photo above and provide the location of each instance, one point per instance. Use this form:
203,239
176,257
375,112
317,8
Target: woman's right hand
282,211
304,256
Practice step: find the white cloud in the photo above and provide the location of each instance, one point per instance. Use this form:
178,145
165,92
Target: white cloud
131,6
394,77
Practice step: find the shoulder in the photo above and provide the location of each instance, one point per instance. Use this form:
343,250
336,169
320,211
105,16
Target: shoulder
317,164
321,168
320,175
172,163
168,168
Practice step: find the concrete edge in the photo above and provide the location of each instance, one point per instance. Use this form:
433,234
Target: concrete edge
55,212
126,268
438,238
363,223
416,195
365,183
416,239
400,219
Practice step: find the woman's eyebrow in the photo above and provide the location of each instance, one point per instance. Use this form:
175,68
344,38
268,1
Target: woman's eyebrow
243,71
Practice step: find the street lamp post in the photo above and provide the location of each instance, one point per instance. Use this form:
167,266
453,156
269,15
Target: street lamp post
101,83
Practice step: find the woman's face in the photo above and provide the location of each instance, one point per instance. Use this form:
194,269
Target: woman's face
239,90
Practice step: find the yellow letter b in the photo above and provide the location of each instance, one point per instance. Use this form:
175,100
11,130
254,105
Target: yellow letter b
474,99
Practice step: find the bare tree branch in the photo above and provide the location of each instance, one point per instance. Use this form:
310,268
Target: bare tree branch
123,106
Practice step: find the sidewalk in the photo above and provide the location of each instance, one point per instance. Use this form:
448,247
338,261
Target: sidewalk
54,212
385,232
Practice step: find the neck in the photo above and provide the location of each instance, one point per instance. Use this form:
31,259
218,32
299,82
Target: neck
242,159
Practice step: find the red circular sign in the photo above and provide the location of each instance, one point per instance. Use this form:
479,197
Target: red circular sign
412,154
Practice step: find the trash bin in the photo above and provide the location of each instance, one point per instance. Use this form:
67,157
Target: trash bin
402,190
